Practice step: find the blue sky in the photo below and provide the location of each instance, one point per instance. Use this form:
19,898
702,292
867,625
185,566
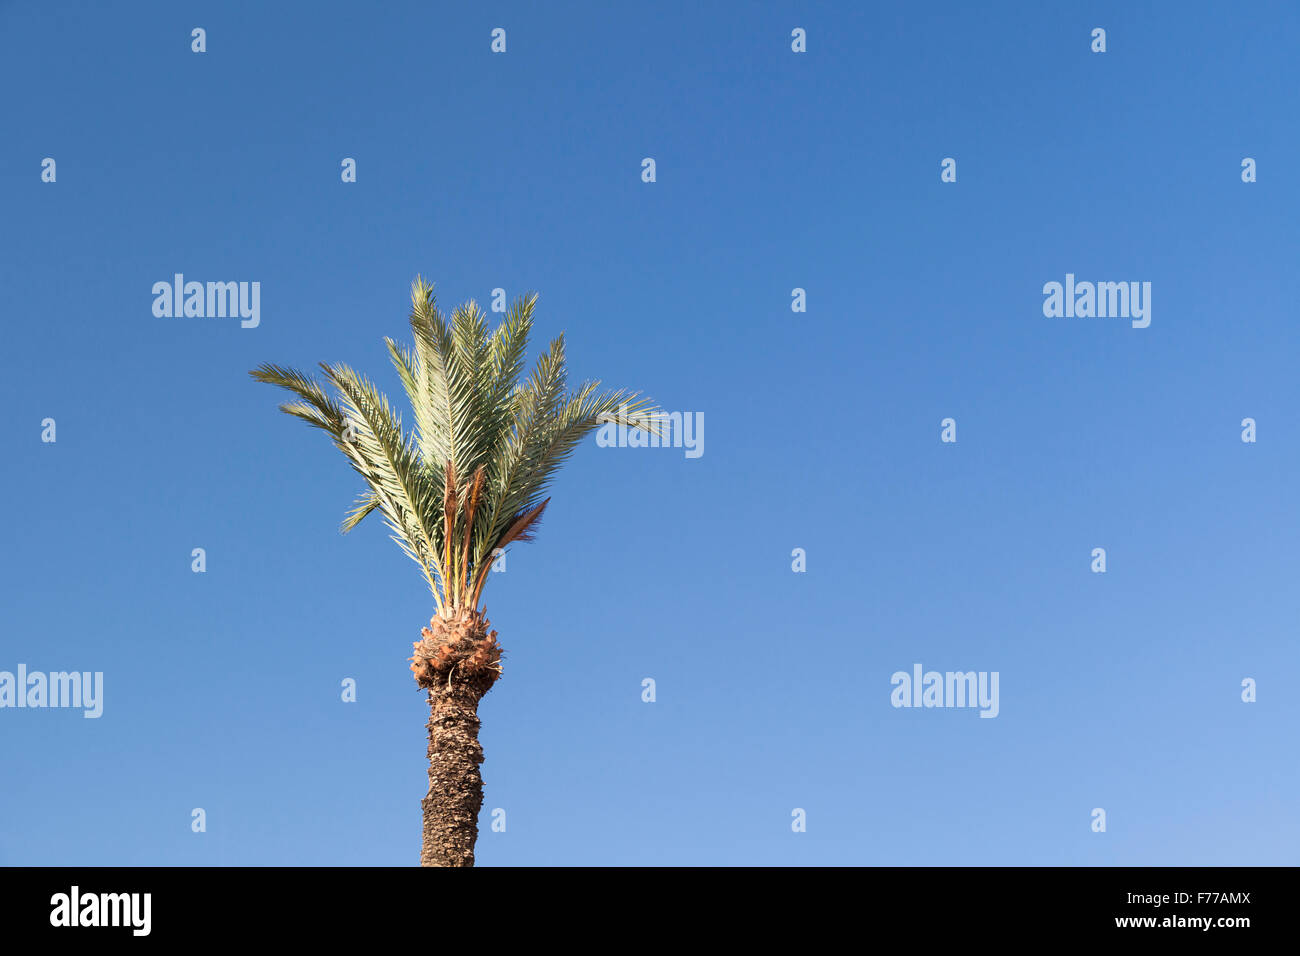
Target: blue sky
775,170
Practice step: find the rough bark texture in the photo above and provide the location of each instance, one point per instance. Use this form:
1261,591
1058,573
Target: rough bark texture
457,661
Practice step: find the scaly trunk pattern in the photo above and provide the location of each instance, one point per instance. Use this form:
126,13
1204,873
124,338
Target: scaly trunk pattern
457,661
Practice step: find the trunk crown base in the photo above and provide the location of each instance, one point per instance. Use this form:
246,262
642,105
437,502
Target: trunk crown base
461,649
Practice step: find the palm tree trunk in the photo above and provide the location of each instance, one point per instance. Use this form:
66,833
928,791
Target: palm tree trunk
455,795
457,660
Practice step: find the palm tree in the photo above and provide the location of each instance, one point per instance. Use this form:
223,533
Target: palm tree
465,483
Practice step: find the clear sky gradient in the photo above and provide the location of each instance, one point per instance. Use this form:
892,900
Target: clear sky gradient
775,170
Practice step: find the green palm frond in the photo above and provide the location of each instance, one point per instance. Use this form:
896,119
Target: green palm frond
470,475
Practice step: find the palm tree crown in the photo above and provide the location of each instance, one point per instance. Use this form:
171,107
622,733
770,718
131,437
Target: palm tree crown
468,478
